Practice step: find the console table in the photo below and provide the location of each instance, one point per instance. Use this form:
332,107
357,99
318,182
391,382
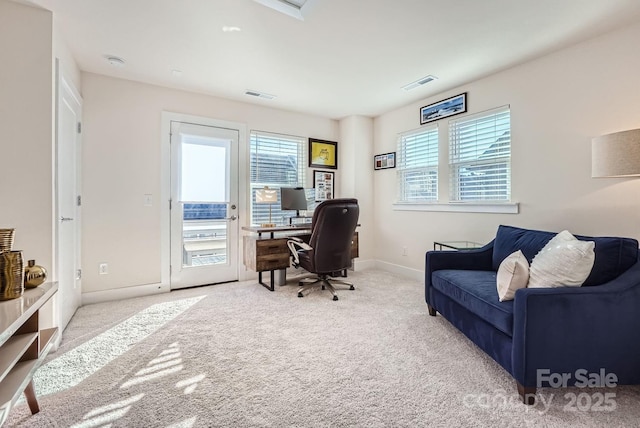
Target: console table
262,254
23,346
457,245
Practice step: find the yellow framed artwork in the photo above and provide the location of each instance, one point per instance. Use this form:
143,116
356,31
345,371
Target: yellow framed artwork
323,154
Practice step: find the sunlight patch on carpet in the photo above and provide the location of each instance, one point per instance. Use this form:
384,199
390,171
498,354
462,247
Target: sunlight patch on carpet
109,413
79,363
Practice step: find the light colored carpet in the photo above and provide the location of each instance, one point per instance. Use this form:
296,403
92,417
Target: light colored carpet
236,355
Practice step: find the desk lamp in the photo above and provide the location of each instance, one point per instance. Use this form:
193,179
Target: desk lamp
267,196
616,155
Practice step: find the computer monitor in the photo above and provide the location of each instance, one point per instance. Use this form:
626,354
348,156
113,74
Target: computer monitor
293,199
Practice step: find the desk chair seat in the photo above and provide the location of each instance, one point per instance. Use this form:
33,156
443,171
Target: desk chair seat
328,252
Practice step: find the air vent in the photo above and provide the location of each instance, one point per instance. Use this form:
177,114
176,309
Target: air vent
260,94
419,82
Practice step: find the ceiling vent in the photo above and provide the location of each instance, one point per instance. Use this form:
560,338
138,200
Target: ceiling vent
259,94
419,82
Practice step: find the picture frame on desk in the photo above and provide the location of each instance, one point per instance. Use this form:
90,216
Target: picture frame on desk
323,185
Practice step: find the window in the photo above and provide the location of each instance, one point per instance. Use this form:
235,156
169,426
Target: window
417,167
276,160
480,157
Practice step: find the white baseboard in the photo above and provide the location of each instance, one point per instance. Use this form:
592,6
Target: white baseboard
124,293
363,264
415,274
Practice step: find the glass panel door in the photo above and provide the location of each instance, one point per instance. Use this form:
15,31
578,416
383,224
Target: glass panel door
204,230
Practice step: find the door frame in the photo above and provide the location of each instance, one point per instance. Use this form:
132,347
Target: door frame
165,185
63,82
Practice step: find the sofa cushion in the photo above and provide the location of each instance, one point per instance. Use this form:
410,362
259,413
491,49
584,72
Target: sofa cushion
476,291
512,275
613,255
564,262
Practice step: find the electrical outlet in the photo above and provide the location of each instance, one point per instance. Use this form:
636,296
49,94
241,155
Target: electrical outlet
103,269
405,252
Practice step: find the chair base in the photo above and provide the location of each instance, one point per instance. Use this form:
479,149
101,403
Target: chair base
325,281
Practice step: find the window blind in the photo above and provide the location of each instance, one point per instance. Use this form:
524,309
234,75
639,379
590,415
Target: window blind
480,157
417,165
276,160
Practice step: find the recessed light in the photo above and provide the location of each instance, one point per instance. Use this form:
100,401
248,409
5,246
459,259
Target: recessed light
115,61
259,94
419,82
230,29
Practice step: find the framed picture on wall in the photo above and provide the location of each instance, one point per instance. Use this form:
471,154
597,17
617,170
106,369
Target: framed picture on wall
444,108
323,185
323,154
384,161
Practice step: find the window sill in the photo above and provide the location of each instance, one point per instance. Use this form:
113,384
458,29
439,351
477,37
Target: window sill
495,208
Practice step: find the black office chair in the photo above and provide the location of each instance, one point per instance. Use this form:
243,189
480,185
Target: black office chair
328,252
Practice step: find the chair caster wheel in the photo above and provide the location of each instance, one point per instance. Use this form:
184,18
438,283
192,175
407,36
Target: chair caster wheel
352,288
300,295
300,284
335,297
324,288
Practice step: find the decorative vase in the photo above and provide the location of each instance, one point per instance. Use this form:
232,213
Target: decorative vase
6,239
11,275
34,274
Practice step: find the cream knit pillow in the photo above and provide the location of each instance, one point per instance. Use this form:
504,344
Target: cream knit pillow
564,261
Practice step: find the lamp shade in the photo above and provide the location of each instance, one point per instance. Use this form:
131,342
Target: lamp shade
266,196
616,155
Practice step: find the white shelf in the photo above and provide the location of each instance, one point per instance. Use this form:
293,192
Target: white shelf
13,350
23,345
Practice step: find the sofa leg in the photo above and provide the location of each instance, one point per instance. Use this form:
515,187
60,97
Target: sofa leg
528,394
432,311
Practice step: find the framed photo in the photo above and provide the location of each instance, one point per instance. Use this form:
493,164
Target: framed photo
384,161
444,108
323,154
323,185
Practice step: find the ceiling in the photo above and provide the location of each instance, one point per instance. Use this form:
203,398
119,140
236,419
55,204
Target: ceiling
347,57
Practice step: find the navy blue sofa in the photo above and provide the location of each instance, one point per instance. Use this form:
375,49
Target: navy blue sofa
544,331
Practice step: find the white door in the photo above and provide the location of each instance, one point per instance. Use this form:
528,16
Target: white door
204,204
68,132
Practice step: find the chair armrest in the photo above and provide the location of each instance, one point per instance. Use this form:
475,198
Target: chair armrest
294,243
570,328
479,259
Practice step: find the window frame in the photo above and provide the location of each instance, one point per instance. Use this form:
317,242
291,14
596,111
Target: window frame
417,160
485,131
259,213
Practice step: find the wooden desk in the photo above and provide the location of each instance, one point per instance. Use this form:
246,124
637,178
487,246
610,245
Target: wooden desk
271,253
23,346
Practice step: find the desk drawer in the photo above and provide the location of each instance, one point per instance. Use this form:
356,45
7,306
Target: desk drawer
266,254
355,246
272,262
271,246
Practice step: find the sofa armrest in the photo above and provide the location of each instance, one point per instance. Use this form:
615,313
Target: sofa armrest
479,259
561,330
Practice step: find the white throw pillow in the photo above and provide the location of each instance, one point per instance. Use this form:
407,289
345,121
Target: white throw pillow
513,274
564,261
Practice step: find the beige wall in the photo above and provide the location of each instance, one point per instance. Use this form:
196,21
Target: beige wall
558,103
121,163
355,160
26,127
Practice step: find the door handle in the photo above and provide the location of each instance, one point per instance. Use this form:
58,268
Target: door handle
66,218
232,218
